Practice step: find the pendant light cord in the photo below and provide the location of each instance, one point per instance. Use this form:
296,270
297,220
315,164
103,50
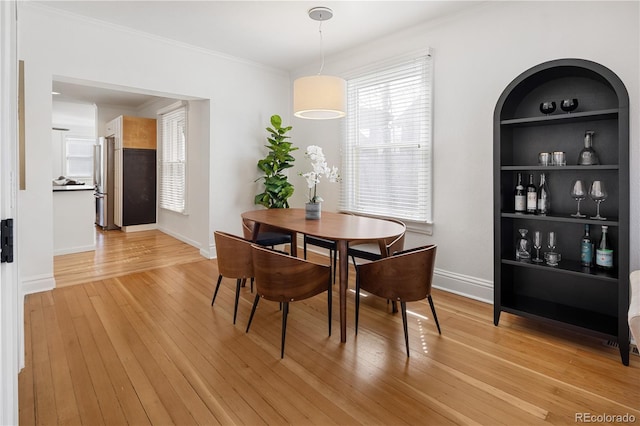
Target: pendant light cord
321,49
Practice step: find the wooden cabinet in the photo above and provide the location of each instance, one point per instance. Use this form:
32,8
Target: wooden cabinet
135,170
569,294
139,133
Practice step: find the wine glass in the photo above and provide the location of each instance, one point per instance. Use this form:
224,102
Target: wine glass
568,105
551,243
547,107
598,194
537,244
578,193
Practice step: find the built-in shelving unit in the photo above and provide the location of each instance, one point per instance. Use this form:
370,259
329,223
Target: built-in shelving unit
569,294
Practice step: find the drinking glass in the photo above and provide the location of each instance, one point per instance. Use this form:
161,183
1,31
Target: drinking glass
598,194
537,244
551,243
578,193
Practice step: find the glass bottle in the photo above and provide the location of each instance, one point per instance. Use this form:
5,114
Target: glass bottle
520,197
532,196
544,199
523,246
586,248
604,252
588,156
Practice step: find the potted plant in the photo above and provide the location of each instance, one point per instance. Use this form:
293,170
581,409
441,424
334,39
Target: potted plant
319,169
277,187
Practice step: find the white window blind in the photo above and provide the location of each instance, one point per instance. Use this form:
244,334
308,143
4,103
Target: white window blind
172,159
79,157
386,157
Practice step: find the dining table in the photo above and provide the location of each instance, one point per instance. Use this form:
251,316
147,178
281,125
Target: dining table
339,227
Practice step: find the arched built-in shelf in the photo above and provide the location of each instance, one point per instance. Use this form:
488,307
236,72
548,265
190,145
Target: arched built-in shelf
568,294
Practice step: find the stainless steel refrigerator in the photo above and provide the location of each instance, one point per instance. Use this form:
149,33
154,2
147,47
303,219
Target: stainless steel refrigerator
103,177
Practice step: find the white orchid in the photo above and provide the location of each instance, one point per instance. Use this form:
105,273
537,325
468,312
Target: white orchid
320,169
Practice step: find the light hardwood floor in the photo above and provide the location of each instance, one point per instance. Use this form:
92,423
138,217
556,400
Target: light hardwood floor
139,343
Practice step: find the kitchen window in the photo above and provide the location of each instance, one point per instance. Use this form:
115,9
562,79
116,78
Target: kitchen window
173,158
79,158
386,156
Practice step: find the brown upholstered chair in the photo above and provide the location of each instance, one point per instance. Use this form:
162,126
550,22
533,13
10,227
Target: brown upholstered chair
284,279
234,261
403,277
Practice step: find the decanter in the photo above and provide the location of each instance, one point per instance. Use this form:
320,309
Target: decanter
523,246
588,156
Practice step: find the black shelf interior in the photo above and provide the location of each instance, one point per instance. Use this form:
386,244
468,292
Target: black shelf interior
572,267
543,309
562,118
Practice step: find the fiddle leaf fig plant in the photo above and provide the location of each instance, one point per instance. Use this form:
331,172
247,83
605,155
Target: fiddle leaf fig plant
277,188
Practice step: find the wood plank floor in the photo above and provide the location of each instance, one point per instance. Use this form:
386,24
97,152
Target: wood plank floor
144,346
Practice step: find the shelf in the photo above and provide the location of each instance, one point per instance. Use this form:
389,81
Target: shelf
562,118
544,309
565,267
585,298
554,168
565,219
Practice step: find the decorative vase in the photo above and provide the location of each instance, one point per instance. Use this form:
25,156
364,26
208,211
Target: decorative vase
312,211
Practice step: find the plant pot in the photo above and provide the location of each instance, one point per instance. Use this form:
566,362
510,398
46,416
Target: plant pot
312,211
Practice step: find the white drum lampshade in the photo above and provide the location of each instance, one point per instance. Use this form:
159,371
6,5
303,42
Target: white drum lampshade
319,97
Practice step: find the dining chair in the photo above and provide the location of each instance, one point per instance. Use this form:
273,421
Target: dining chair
377,249
234,261
404,277
330,245
285,279
268,236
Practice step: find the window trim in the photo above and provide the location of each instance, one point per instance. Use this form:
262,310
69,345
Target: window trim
160,113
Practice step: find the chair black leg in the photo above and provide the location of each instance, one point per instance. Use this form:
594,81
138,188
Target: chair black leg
285,312
252,280
433,310
215,293
329,303
403,308
357,303
253,311
239,282
335,264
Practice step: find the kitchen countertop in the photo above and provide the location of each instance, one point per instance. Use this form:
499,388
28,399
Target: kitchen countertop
57,188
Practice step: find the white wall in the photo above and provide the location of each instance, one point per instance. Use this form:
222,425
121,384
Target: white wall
476,55
241,97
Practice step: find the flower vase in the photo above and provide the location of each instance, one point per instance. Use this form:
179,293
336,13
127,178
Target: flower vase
312,211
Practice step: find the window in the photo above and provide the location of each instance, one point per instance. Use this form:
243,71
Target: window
79,158
386,157
172,158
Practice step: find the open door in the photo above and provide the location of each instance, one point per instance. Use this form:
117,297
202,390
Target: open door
11,304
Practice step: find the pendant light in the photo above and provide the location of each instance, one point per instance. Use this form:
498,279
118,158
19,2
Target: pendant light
319,97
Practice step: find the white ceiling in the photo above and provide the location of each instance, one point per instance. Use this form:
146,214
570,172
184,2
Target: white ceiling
278,34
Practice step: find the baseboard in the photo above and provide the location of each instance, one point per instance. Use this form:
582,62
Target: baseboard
203,251
453,282
464,285
70,250
138,228
36,284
